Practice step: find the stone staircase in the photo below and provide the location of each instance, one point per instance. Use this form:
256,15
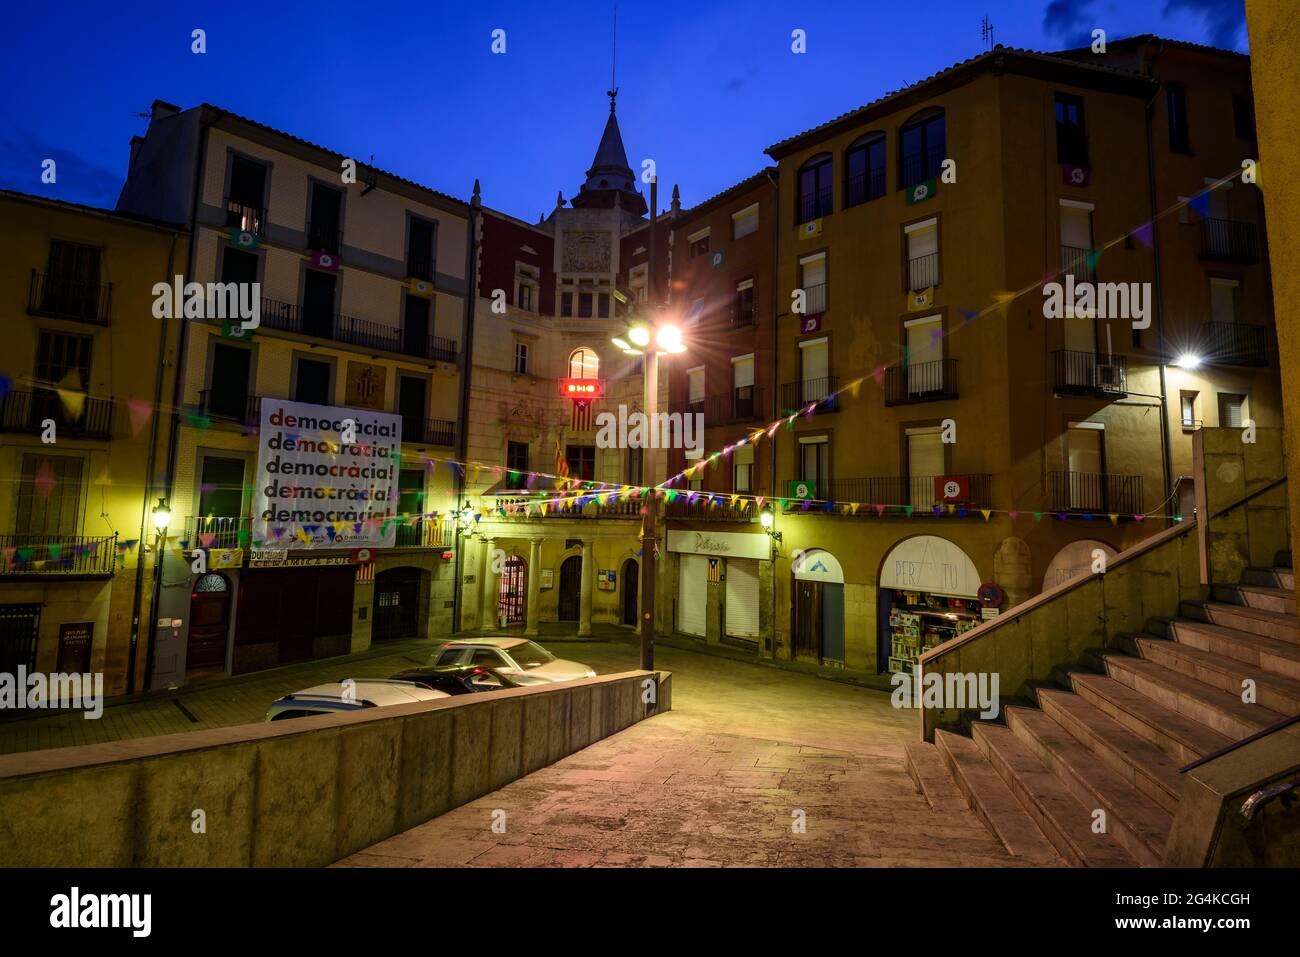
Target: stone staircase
1088,772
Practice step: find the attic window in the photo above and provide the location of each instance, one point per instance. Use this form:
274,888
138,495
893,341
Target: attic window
604,183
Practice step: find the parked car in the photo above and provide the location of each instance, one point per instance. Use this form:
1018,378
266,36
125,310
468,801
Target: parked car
358,695
458,679
523,661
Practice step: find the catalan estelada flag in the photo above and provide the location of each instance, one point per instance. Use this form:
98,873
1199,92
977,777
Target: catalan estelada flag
561,463
581,421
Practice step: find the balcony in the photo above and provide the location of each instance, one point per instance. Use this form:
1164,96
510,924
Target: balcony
337,327
702,509
738,405
231,407
425,533
624,508
917,491
210,531
1086,373
864,187
798,395
814,303
324,237
428,431
923,272
420,269
247,218
1079,263
1229,240
815,205
1234,344
62,297
742,314
921,382
48,556
918,166
1100,492
22,411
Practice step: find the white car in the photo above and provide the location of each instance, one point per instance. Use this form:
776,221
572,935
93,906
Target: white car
350,695
525,661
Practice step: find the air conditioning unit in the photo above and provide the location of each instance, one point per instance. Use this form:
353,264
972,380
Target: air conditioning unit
1110,377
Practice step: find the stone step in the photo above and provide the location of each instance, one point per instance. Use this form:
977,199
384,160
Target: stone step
1067,823
1257,596
1136,822
1136,760
1275,692
932,778
1268,624
1181,738
1220,710
1269,654
1270,577
993,801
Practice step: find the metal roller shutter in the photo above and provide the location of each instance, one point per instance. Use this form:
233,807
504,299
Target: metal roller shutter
692,582
742,597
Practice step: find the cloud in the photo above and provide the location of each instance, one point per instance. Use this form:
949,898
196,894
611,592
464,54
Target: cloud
79,180
1070,21
733,85
1223,19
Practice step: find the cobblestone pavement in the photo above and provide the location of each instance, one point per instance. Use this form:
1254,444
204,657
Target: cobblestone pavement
718,781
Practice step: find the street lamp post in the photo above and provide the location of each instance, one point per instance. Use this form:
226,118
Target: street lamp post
650,343
162,517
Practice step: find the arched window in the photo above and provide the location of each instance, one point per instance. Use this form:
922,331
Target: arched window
210,583
813,196
584,364
864,170
921,148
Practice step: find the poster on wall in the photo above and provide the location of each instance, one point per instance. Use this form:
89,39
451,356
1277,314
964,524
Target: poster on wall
316,490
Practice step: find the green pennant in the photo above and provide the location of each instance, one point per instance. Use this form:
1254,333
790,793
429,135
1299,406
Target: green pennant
1038,516
908,510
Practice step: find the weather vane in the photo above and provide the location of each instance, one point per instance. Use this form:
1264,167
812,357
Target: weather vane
612,92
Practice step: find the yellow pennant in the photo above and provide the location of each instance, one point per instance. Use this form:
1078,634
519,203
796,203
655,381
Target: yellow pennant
986,513
1114,518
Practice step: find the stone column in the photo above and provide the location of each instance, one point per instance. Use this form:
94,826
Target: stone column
489,594
584,592
534,585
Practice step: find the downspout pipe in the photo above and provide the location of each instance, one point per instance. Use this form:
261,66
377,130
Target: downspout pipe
467,372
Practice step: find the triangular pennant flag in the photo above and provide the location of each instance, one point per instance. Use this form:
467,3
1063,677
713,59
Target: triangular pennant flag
880,509
44,480
986,513
1114,518
1012,515
1200,203
1038,516
140,410
1138,518
907,509
55,551
1145,234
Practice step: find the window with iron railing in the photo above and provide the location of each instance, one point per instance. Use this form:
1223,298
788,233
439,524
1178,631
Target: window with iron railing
814,195
864,170
1071,133
922,147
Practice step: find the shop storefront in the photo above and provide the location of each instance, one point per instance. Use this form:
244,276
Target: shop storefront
929,593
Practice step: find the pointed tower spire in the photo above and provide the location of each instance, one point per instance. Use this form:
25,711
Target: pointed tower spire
677,200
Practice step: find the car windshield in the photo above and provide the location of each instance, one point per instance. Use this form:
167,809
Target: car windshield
528,654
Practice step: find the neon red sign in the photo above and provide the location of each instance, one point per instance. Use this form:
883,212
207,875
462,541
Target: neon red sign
582,388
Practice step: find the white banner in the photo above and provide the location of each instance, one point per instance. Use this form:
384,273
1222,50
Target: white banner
327,476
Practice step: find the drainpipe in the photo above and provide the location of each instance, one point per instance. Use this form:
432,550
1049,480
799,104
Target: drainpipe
1165,451
772,176
138,594
200,162
467,371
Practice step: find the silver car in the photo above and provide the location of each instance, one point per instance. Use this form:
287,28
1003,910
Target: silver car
525,661
350,695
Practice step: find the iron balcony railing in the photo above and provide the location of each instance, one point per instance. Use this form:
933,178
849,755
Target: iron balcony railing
623,508
428,431
22,411
231,406
918,167
1103,492
337,327
1078,262
814,303
738,405
1234,343
1086,373
216,531
325,237
918,491
717,509
1230,240
815,205
62,297
921,382
425,533
743,313
40,555
245,217
923,272
864,187
798,395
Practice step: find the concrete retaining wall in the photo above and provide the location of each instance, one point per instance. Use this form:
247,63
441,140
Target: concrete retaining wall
304,792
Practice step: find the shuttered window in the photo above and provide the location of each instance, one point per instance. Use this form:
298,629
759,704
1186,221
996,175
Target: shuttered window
49,495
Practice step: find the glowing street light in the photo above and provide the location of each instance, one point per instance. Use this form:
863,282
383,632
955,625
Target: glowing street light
1188,361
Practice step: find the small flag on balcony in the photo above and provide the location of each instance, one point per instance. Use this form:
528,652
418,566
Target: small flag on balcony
921,192
420,287
920,299
324,260
234,329
810,229
244,238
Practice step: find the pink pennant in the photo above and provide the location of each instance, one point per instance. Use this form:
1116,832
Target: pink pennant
140,411
45,480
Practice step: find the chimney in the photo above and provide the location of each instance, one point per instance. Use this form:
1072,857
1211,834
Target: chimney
135,151
161,109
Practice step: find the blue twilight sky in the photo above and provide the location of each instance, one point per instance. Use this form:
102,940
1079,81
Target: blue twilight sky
705,85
